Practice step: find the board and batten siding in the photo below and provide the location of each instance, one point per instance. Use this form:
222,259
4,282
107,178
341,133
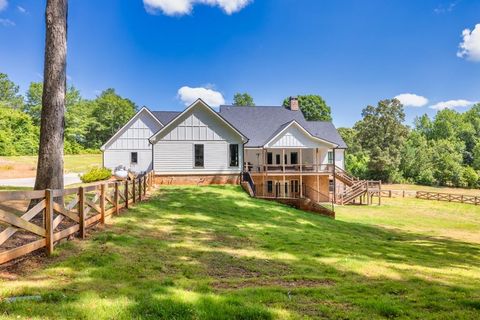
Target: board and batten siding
132,138
174,149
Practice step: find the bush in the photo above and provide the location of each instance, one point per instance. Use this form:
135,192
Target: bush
96,174
470,176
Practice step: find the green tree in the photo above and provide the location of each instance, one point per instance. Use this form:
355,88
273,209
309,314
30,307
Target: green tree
110,113
243,100
78,121
33,104
313,107
381,134
9,96
416,159
18,135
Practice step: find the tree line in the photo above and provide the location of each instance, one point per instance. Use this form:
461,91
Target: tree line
443,150
88,122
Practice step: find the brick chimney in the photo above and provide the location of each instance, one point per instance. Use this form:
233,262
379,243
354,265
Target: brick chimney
294,104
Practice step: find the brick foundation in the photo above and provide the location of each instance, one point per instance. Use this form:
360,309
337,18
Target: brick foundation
197,179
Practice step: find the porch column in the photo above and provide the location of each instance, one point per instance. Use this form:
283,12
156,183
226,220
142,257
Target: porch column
318,188
301,174
315,160
283,159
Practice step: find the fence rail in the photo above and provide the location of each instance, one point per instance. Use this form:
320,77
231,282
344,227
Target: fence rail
31,220
450,197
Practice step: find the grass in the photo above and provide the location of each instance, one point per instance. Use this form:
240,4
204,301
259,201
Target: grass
214,253
25,166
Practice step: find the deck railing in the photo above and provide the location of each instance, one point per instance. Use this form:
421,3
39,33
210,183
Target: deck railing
289,168
31,220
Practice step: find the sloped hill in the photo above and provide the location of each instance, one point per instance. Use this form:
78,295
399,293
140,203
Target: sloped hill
215,253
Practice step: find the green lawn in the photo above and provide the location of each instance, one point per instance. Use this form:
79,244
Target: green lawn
214,253
25,166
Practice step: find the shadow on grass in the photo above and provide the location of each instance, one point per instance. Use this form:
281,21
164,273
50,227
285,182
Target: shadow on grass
214,253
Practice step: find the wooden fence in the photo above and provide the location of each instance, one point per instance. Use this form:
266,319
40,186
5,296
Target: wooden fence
397,193
31,220
450,197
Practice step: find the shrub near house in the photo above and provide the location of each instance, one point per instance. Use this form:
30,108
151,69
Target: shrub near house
96,174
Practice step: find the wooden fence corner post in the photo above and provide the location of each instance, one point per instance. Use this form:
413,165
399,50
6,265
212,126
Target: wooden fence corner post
49,221
116,198
134,194
126,194
81,211
102,203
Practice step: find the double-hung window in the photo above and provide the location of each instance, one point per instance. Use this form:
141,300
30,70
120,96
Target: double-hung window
234,155
199,159
330,157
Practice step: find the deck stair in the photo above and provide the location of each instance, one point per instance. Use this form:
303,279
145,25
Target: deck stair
355,188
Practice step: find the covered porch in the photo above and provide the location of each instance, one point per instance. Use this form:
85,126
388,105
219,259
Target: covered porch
289,160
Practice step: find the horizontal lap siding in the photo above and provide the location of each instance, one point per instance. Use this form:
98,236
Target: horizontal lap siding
115,158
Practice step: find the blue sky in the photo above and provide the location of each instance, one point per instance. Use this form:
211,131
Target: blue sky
353,53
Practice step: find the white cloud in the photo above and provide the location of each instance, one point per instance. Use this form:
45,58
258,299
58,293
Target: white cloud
3,4
470,47
188,95
451,104
412,100
22,9
182,7
7,23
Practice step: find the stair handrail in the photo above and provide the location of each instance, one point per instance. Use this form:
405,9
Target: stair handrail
331,200
247,177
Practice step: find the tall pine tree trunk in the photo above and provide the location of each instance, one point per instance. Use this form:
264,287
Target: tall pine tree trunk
50,155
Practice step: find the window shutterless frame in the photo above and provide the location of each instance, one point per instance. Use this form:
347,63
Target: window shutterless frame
199,156
134,157
233,155
330,157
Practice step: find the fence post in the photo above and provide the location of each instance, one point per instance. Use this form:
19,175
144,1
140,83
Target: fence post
49,221
134,194
145,186
102,203
126,194
116,198
81,211
139,189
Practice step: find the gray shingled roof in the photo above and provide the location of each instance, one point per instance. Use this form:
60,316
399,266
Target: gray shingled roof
259,124
165,116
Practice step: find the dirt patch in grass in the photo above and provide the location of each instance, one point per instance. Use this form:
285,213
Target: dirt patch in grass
222,266
273,282
10,170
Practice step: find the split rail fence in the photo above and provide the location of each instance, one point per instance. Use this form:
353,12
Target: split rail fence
450,197
31,220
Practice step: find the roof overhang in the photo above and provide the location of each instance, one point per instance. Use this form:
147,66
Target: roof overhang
303,130
144,109
196,104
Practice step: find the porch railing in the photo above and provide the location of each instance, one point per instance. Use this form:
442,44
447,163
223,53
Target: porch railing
289,168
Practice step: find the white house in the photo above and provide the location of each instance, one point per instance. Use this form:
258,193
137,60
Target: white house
282,151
